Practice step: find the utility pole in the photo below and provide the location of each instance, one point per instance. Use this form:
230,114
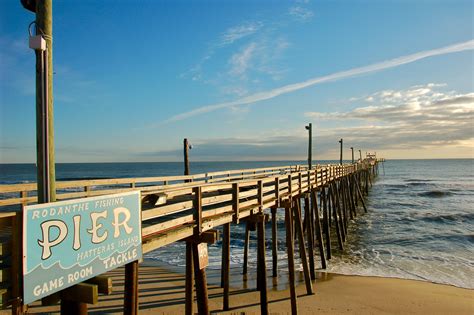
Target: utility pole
189,294
352,149
310,144
360,154
45,161
340,160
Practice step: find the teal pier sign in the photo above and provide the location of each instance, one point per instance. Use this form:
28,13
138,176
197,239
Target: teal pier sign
68,242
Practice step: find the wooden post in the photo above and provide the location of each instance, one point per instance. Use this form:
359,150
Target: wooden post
326,215
274,243
130,304
367,182
319,235
201,283
189,279
339,217
17,264
342,206
226,264
262,269
186,156
235,202
310,145
199,273
361,197
246,247
310,235
302,246
340,160
197,213
291,257
336,220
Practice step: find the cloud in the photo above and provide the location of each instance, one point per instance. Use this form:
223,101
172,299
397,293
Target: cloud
266,95
228,37
240,61
301,13
238,32
417,116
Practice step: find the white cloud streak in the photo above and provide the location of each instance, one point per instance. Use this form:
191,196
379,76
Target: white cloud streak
266,95
237,32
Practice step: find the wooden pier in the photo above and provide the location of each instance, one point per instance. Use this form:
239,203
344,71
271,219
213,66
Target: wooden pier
318,204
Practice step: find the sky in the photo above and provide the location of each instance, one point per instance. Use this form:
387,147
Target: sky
241,79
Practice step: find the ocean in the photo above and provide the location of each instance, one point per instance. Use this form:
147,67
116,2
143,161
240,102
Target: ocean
419,225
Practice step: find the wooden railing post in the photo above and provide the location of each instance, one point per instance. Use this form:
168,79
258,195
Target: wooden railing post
235,202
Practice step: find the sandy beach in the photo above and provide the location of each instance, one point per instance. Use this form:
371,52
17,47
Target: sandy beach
162,292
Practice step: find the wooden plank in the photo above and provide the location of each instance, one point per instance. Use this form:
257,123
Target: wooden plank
104,284
81,292
156,228
5,274
216,211
5,247
165,210
154,242
5,296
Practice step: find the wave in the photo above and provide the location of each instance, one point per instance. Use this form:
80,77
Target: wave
435,194
447,218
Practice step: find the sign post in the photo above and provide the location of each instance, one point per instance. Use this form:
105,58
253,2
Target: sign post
68,242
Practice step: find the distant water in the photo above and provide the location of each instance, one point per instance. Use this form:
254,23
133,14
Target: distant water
420,223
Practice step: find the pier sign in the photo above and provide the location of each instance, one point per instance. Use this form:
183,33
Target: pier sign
68,242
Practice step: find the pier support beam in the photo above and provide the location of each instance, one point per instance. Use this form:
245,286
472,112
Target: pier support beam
291,257
189,279
262,267
201,283
226,264
130,306
318,231
274,243
326,217
302,246
308,210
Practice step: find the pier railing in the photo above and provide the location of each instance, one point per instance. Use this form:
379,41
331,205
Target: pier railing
24,194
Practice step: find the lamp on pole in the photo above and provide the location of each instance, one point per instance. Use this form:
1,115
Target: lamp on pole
360,154
352,149
340,160
310,144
